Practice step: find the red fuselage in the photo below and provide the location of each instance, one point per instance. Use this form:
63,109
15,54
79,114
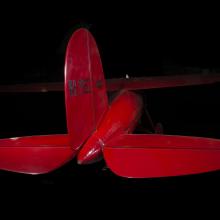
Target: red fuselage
121,118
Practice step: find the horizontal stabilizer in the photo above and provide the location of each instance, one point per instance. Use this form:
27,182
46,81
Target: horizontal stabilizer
35,154
154,155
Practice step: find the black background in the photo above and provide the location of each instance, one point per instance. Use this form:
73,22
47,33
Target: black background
138,41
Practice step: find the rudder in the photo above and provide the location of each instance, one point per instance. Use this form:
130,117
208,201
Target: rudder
85,89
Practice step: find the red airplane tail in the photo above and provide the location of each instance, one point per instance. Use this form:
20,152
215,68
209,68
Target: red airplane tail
85,88
86,103
127,155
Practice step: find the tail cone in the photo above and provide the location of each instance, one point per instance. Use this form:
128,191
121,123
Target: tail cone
91,152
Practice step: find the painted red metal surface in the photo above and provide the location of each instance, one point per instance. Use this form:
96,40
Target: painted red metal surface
33,87
35,154
147,156
154,82
100,99
157,82
122,117
100,128
85,92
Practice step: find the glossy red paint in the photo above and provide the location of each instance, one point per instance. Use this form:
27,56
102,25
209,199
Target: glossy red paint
147,156
122,117
35,154
85,90
100,128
